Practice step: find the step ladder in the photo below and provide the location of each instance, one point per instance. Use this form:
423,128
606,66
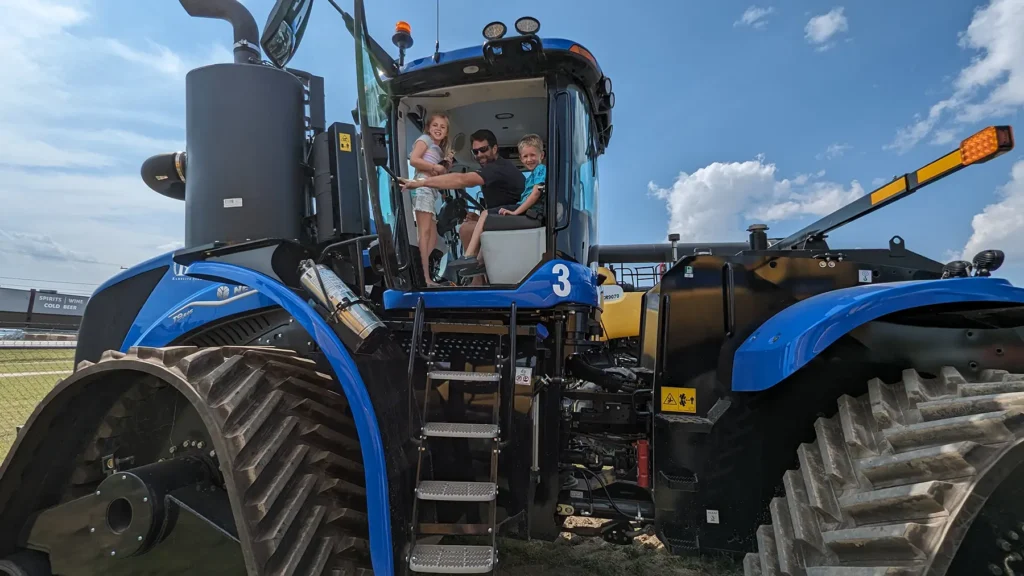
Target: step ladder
451,558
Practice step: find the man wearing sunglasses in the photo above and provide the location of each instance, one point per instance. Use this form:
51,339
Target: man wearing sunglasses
499,180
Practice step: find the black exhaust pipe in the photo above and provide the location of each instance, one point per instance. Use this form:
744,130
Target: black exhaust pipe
247,35
165,174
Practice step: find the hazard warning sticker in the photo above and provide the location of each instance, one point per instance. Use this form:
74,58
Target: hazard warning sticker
679,400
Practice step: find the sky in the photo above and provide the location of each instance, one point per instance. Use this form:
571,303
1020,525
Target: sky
727,113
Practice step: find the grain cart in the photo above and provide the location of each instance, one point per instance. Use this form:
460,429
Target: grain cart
284,395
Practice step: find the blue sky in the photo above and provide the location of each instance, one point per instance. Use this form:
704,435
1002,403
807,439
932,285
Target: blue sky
726,113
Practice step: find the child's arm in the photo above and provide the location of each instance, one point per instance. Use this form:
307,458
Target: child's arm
530,201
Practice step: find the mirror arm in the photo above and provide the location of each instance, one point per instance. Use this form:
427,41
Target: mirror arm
380,57
246,45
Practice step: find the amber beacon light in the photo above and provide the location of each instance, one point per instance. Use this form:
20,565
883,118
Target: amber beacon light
986,145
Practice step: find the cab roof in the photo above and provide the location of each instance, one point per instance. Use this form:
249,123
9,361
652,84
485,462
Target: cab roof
474,52
512,58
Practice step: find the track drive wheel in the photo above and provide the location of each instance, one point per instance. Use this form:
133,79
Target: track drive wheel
244,456
921,477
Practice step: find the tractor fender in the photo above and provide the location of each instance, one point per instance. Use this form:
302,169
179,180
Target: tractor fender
793,337
272,292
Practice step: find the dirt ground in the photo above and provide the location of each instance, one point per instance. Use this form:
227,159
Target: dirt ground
573,555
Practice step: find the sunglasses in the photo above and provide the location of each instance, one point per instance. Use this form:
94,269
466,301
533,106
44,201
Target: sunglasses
479,151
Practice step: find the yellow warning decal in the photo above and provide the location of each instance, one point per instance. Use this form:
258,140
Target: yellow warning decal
344,142
679,400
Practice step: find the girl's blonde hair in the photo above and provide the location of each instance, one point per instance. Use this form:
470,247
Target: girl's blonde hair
532,140
445,144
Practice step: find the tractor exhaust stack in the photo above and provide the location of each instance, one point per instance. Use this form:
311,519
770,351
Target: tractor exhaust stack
246,42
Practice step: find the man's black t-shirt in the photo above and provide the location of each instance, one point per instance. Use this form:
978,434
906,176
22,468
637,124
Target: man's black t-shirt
503,183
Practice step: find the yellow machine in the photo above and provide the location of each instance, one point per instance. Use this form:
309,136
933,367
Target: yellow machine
620,314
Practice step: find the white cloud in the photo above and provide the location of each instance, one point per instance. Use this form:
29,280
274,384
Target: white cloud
943,137
879,181
716,202
755,17
18,150
834,151
171,246
1000,225
39,246
992,85
79,112
822,28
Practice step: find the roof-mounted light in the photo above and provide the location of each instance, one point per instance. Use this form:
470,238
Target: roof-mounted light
527,25
577,49
495,30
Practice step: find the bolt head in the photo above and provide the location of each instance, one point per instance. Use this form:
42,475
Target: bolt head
145,499
124,476
92,530
193,443
173,448
184,444
97,492
113,552
213,454
139,538
200,445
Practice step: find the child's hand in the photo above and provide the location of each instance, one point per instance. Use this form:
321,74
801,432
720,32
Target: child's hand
505,212
438,170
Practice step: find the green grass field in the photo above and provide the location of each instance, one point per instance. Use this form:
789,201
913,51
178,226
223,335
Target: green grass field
26,375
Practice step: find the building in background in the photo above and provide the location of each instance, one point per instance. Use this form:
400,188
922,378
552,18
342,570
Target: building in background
41,309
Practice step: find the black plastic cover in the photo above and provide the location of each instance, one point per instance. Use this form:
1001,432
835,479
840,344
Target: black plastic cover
342,210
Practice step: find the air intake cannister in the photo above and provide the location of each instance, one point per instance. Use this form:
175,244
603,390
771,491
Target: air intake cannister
245,140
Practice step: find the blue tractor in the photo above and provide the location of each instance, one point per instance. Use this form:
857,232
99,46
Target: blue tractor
285,395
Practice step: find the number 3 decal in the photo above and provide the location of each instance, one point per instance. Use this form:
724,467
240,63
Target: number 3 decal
562,287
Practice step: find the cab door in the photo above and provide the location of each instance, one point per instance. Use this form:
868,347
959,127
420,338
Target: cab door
376,121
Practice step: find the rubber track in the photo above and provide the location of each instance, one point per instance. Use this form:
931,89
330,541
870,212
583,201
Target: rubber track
879,491
293,466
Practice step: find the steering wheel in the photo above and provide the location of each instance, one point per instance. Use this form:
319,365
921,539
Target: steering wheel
461,193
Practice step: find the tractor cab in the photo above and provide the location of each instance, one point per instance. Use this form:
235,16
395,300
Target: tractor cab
512,86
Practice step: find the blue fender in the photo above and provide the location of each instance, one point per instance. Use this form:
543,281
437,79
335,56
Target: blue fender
793,337
553,283
271,292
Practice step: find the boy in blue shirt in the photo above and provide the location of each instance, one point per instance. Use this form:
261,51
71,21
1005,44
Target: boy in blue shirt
532,203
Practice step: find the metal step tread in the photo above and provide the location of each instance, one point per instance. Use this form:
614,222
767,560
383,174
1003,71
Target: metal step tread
440,559
447,491
460,430
464,376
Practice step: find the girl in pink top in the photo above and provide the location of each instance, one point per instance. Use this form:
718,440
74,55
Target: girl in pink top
431,156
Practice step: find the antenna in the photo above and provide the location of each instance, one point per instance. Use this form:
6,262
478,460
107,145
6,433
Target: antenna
437,33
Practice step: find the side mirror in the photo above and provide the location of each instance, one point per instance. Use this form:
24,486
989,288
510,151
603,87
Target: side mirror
284,30
380,146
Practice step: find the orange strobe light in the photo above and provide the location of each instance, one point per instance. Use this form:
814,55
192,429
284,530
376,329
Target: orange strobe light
986,145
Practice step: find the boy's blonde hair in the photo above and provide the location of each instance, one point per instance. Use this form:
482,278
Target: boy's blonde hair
532,140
